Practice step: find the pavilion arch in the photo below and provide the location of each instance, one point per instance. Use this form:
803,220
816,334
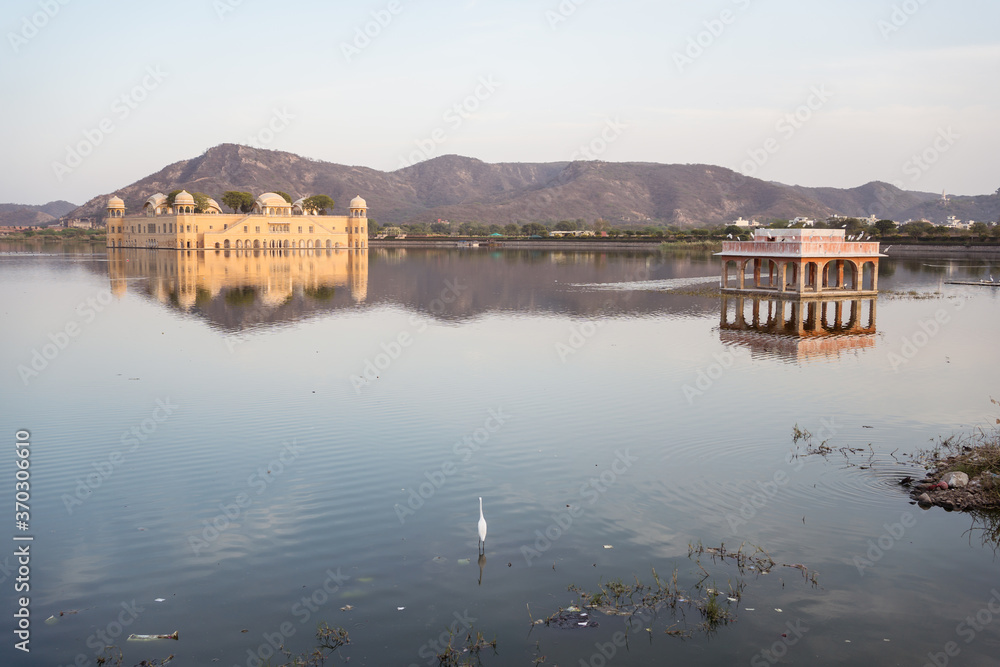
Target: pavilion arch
256,244
869,276
225,244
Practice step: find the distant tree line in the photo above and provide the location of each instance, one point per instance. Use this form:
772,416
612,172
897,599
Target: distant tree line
881,229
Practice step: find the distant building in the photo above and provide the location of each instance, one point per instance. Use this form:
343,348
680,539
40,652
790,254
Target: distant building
952,222
273,223
740,222
805,222
82,223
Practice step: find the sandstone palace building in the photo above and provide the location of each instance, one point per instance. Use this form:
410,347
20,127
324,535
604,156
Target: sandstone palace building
273,223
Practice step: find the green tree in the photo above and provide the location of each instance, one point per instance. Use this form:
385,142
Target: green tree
511,229
566,226
238,200
980,229
917,229
535,229
319,203
171,196
440,228
732,229
200,202
885,227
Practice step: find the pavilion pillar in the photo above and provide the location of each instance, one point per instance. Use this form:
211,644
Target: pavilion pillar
875,275
756,273
741,266
781,274
838,313
840,274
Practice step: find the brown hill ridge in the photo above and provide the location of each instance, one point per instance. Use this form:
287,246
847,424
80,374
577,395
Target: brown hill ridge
465,189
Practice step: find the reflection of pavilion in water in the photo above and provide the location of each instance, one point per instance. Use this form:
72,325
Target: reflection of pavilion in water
269,278
796,328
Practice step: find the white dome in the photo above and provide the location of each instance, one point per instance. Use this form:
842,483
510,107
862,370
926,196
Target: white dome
116,202
272,199
184,197
358,202
157,199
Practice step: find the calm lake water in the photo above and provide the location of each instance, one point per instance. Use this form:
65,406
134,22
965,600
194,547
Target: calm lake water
270,442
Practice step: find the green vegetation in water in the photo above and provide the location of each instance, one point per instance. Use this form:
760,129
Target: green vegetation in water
642,603
467,651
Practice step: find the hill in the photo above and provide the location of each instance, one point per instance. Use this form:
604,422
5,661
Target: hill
465,189
16,215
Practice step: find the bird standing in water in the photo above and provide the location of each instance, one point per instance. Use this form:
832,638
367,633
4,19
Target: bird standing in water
482,526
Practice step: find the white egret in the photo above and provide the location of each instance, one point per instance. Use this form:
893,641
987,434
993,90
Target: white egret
482,525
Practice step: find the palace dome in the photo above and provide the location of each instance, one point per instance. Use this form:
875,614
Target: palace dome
272,199
184,197
358,202
116,202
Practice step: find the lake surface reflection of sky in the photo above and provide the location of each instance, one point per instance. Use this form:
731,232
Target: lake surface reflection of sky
271,441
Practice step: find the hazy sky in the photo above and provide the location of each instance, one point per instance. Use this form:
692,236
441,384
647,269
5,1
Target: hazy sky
100,94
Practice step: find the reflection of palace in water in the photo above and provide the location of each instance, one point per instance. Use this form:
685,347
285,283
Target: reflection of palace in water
798,329
259,279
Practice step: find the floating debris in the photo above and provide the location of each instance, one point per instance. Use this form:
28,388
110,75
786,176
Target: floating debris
464,561
143,638
608,546
571,618
347,607
51,620
400,608
160,600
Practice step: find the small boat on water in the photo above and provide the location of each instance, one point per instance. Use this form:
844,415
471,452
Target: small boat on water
987,283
